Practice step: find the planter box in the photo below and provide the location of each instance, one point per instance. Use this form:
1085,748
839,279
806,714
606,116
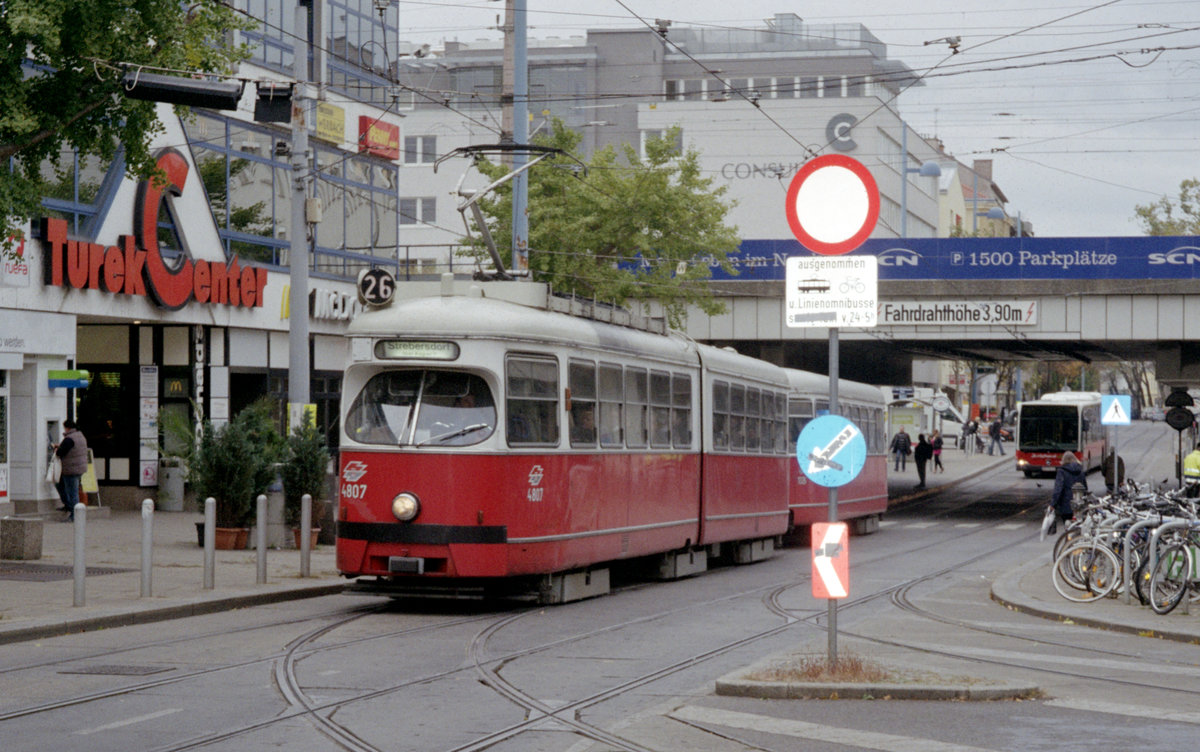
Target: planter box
20,538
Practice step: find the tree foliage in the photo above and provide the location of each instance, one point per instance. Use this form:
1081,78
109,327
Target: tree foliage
61,63
620,232
1178,216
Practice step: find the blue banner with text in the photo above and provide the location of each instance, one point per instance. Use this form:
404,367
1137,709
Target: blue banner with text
992,258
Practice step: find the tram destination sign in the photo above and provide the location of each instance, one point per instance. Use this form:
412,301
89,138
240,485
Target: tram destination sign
400,349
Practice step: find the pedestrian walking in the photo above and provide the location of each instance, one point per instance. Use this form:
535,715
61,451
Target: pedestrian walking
921,455
936,442
72,452
1070,473
901,447
994,434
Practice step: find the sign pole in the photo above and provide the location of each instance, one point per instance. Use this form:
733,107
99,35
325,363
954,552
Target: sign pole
831,603
832,206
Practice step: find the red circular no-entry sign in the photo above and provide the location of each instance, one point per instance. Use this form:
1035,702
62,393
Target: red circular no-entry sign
832,204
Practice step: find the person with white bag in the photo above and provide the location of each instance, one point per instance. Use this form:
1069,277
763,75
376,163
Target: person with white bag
72,453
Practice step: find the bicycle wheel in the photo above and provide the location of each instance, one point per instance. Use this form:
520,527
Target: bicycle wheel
1066,538
1169,580
1085,572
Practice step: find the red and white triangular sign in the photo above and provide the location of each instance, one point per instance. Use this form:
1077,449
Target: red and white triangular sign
830,560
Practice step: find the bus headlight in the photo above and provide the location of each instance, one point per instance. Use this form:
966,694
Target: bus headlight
405,507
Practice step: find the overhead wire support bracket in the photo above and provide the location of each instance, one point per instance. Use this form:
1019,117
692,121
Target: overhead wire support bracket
472,197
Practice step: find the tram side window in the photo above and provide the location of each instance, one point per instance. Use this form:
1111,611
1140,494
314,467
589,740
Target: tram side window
737,417
800,412
781,423
681,410
532,405
581,380
753,419
635,407
720,415
612,404
660,409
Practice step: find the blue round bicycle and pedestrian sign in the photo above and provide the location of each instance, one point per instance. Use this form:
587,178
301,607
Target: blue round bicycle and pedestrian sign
831,451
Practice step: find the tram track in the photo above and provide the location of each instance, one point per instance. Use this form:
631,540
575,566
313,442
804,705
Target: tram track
490,668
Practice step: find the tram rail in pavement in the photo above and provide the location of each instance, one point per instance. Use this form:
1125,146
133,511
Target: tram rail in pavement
36,597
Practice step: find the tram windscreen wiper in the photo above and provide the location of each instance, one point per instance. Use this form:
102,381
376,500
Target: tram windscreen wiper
455,434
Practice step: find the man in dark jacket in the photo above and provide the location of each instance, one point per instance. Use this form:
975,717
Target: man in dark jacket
1070,472
901,447
72,451
921,455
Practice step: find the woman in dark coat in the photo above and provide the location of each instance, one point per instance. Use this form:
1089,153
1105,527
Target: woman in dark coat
1070,472
921,455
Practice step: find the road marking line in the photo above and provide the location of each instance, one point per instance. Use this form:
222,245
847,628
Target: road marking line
968,524
921,524
804,730
128,722
1138,711
1011,526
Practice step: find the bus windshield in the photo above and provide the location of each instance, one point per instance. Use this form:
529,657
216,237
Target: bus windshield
1048,428
422,408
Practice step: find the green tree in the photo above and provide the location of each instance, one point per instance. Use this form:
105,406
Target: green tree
61,63
1178,216
631,229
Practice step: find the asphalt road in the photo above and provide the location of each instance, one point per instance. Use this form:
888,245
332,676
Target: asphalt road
634,670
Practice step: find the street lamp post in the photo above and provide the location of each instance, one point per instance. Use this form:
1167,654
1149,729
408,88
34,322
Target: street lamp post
926,170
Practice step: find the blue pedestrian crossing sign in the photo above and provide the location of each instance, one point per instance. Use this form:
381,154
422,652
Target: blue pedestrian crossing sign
1115,410
831,451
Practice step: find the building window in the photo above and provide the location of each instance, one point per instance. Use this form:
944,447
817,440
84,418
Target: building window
651,134
420,149
418,211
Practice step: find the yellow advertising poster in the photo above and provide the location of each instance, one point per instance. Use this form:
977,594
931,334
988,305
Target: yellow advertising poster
331,122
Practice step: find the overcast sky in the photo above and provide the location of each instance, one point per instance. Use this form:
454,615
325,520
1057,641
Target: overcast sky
1087,108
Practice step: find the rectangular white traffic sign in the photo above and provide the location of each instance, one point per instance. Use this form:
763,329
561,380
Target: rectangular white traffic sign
1116,409
831,291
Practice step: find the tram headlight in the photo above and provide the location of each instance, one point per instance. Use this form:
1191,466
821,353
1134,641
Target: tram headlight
406,506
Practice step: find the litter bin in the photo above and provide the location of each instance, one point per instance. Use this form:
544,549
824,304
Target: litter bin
170,487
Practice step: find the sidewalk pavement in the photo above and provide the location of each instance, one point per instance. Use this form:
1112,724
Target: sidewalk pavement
37,597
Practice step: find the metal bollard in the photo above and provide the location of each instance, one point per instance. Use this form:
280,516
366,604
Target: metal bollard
147,545
210,542
305,534
80,548
260,537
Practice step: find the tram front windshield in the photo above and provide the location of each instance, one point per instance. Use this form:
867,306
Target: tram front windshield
1048,428
422,408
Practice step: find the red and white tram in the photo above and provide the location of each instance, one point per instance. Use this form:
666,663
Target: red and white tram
492,446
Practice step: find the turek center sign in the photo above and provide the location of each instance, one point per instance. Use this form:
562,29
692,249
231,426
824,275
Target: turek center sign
136,266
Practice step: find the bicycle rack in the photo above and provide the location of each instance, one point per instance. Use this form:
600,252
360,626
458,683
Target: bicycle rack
1173,525
1125,564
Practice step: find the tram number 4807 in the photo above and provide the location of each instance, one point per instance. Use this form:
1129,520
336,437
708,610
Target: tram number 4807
534,494
354,490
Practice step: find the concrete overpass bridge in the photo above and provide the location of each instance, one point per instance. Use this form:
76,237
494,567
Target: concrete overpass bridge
1035,299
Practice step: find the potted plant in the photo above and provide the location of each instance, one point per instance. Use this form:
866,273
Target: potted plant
304,470
233,463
